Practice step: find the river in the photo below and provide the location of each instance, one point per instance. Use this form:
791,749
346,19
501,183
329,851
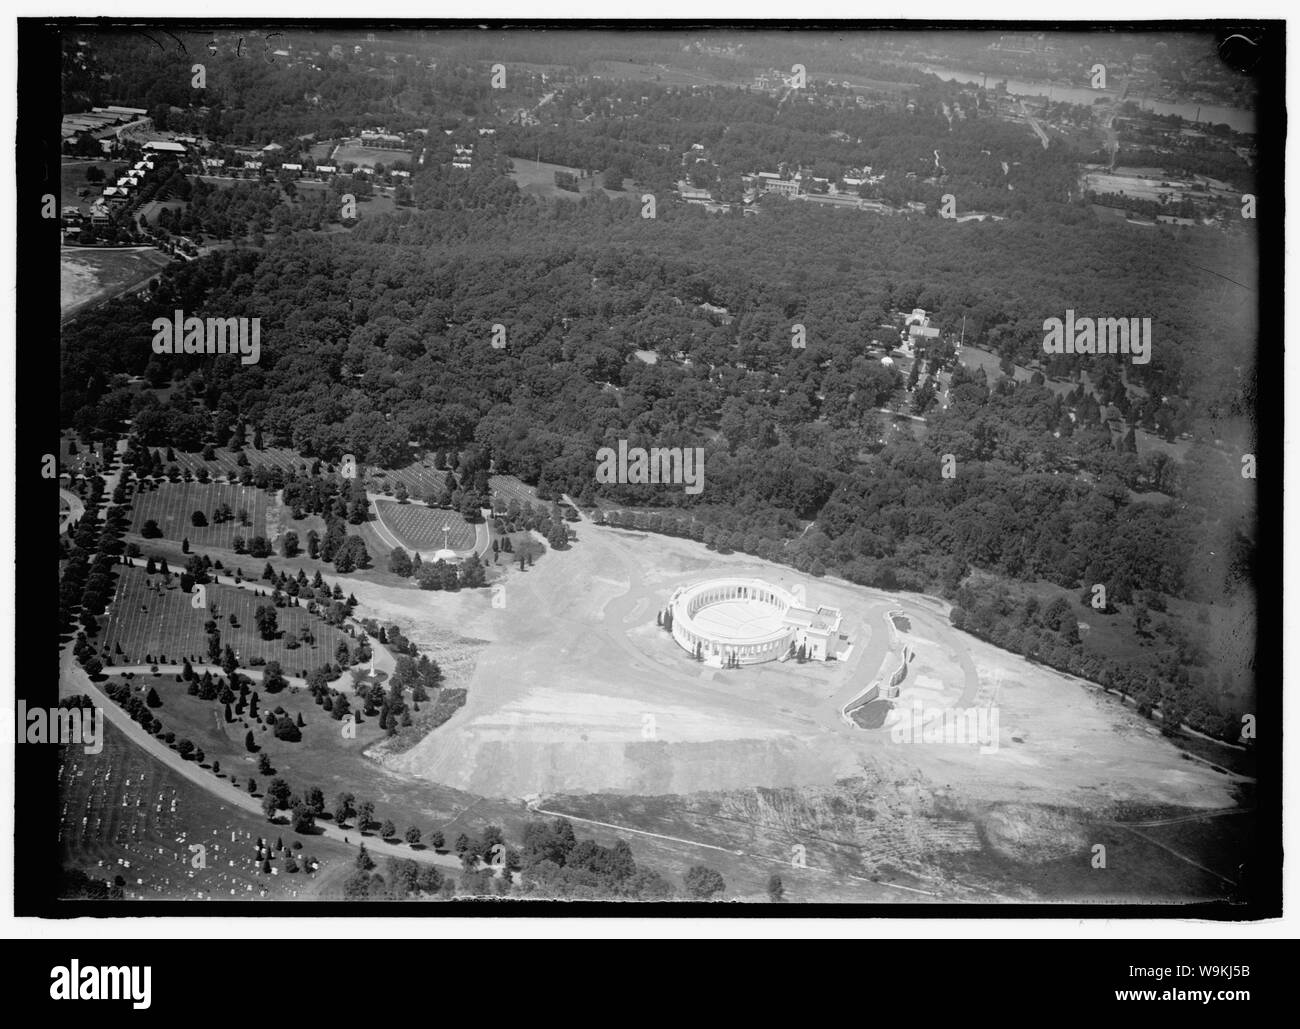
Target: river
1235,118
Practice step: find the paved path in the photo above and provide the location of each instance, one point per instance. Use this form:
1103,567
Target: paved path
74,680
76,508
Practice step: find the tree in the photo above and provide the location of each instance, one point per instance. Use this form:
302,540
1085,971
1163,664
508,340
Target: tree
364,861
388,830
267,622
249,744
413,835
279,789
273,680
365,813
152,698
343,809
198,519
269,806
703,882
302,818
264,765
399,562
436,839
289,544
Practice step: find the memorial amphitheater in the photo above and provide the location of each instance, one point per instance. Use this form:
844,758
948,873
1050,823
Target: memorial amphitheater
748,621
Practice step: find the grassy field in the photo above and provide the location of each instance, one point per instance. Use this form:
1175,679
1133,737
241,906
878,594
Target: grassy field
153,208
420,528
537,178
172,504
87,275
225,460
367,207
359,155
75,464
148,619
324,757
508,488
125,813
420,478
663,74
72,181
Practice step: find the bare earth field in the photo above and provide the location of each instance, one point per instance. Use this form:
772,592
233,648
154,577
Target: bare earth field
580,691
579,705
87,275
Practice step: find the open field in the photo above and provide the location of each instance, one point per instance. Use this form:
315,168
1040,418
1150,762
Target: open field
417,527
663,74
537,178
154,620
88,275
76,464
172,504
226,460
619,724
122,806
324,757
508,488
420,478
150,211
73,181
360,155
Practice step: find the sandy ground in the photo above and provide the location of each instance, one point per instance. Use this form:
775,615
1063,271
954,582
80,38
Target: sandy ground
87,275
573,689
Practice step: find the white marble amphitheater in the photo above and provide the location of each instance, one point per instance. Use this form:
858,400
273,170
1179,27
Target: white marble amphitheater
751,621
